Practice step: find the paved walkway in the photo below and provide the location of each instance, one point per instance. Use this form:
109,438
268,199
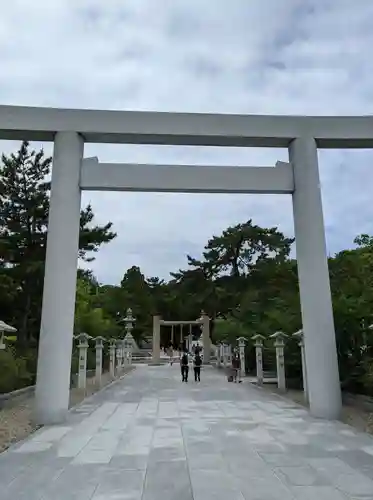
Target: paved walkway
151,437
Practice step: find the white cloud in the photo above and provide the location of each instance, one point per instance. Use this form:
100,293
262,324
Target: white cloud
262,56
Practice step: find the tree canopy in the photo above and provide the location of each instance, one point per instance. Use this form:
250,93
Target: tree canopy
24,210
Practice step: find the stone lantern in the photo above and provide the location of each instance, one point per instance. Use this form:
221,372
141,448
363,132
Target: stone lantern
118,355
112,356
258,343
299,336
241,346
129,320
128,346
128,339
279,343
83,345
99,345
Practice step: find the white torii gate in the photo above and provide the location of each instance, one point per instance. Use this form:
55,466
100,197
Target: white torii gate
70,129
203,321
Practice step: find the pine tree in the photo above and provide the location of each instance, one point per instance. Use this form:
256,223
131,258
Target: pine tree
24,209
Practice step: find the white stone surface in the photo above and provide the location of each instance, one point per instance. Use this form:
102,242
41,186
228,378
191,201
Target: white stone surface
112,359
299,335
98,364
156,353
206,341
241,346
57,321
82,372
258,343
151,437
316,304
144,127
97,176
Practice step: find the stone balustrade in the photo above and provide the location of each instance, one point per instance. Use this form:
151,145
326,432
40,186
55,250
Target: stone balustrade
278,341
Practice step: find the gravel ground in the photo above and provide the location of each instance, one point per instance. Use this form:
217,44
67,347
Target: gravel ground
356,417
15,421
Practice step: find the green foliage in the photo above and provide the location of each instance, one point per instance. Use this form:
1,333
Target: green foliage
13,372
229,329
24,210
89,318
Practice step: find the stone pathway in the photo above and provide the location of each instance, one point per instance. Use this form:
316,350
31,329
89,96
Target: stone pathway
151,437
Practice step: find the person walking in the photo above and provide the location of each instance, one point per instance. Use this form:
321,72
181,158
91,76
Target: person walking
184,364
236,367
197,367
171,354
197,349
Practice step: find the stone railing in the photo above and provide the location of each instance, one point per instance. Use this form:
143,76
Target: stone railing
225,353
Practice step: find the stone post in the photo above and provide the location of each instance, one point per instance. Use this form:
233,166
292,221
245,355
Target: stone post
128,339
258,339
126,352
299,336
112,357
57,317
205,320
225,355
2,343
218,355
229,354
156,354
279,343
324,389
118,355
99,347
83,345
123,353
130,355
241,346
128,347
190,339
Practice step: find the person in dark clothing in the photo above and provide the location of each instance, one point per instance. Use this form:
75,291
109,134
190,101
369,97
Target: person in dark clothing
184,364
197,367
236,367
197,349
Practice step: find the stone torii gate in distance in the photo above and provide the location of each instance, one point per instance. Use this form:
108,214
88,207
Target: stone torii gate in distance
203,321
69,129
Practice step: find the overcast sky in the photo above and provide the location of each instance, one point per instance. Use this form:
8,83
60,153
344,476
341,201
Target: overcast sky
236,56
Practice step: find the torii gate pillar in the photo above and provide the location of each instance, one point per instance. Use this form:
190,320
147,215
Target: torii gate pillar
156,354
206,337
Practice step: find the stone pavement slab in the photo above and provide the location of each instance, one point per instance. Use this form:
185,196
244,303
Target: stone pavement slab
151,437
